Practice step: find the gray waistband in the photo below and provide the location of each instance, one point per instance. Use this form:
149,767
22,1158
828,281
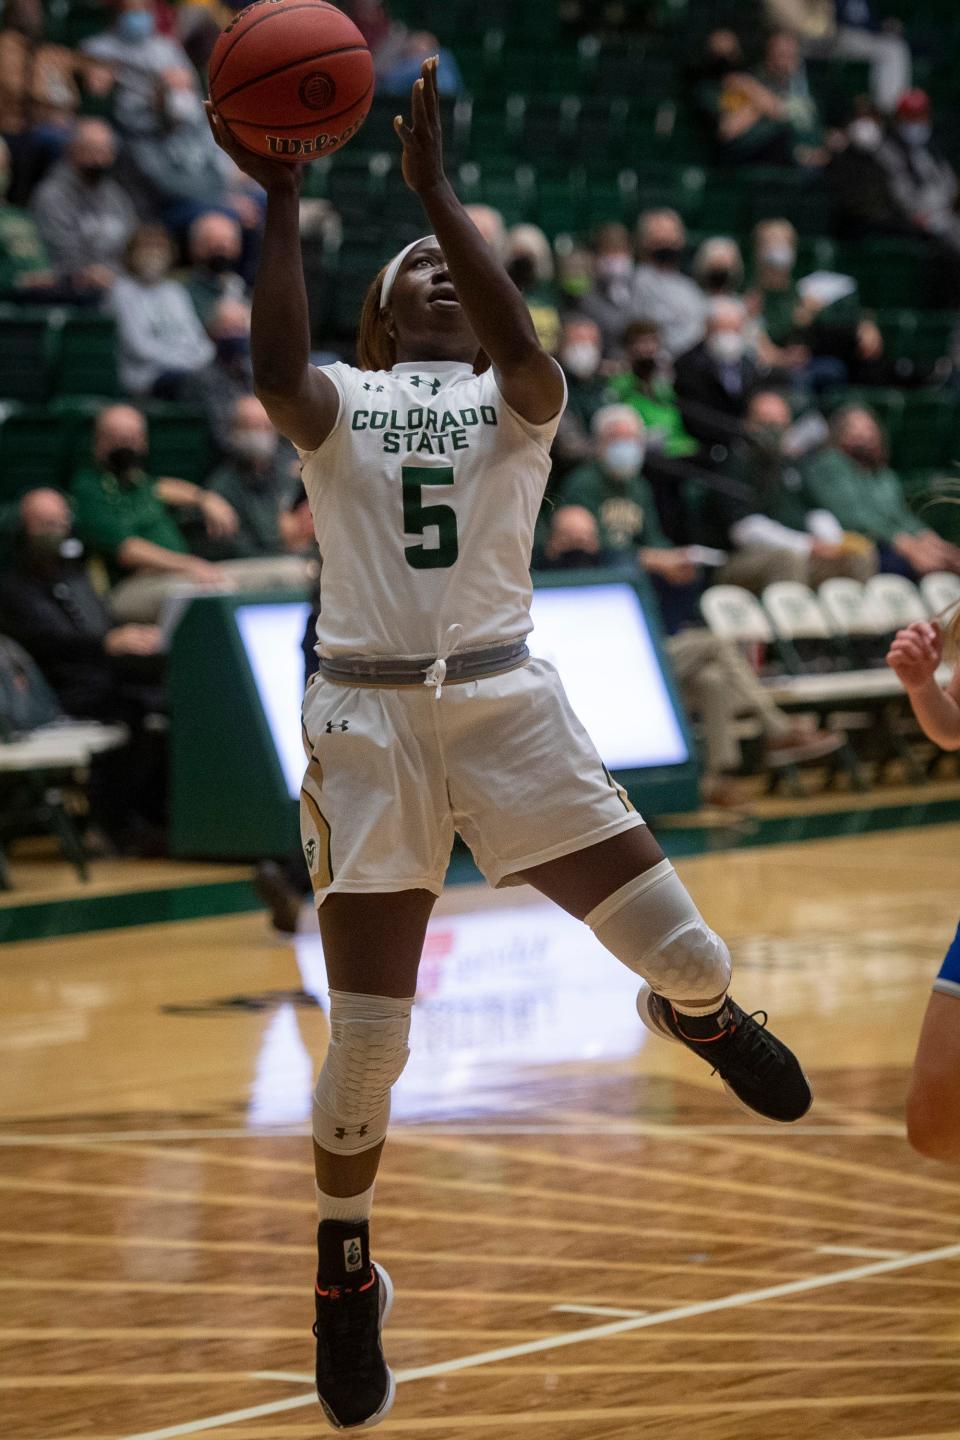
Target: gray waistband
411,670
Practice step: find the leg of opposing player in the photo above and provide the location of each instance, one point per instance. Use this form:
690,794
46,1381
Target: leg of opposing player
372,946
636,905
933,1101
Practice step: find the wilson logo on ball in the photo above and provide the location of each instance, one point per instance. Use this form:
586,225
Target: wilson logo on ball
317,91
314,144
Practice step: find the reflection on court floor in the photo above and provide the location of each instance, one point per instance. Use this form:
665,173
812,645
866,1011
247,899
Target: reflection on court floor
500,992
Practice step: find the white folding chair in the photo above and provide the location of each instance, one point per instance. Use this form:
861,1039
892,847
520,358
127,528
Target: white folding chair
940,591
897,598
844,603
795,611
734,614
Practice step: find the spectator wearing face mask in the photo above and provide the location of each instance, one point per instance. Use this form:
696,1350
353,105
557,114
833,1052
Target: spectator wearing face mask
661,292
716,380
647,387
853,479
98,670
611,512
610,298
761,514
529,262
860,196
228,377
49,606
124,515
141,62
259,484
580,354
921,181
214,249
161,343
84,216
718,267
574,277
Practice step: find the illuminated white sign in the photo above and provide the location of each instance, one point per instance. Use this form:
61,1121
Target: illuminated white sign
596,635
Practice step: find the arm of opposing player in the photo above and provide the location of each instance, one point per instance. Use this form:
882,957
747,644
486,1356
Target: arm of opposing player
529,380
302,403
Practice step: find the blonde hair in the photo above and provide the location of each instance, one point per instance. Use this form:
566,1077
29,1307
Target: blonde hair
376,347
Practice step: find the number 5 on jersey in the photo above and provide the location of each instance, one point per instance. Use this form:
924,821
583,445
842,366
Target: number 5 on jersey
418,518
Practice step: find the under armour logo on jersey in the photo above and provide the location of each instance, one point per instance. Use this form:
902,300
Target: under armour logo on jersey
377,388
416,381
340,725
310,850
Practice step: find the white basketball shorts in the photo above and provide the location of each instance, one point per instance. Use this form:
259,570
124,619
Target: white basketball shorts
392,773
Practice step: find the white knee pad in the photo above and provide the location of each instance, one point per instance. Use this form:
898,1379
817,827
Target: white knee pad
367,1053
654,928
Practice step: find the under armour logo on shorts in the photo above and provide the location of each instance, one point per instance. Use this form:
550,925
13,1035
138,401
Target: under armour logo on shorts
340,725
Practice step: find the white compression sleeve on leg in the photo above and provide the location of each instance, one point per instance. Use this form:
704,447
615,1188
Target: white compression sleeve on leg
367,1053
653,927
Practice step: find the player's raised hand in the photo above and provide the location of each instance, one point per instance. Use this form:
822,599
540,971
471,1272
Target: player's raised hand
916,653
271,174
422,139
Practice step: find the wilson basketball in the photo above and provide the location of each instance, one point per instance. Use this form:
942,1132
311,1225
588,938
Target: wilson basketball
291,79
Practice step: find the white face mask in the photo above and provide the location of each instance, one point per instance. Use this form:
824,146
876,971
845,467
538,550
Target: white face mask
614,267
726,347
865,134
778,257
624,458
255,444
581,358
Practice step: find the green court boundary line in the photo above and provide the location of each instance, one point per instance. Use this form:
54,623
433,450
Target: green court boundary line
80,914
47,919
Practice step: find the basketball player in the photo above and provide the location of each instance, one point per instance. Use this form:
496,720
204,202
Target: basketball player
933,1103
425,469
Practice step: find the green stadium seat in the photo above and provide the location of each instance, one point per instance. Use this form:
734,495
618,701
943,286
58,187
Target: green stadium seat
924,433
922,336
180,443
889,271
28,348
775,192
36,450
88,355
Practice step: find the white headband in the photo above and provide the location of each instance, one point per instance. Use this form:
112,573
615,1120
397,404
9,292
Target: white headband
393,269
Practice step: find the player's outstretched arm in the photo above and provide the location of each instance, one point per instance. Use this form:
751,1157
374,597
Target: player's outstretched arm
530,381
914,656
300,400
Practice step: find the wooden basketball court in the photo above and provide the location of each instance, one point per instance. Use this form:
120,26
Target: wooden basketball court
586,1238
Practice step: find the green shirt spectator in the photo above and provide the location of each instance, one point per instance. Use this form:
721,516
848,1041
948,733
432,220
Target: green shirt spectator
854,480
624,507
865,497
655,401
110,509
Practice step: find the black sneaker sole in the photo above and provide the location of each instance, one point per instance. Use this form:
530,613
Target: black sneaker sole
643,1010
386,1305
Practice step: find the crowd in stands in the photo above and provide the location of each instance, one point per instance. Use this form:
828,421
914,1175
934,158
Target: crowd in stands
719,425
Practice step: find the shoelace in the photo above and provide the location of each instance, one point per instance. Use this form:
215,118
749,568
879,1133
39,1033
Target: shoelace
346,1329
753,1040
437,672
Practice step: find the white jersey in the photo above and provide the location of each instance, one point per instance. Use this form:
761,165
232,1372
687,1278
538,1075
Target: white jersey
424,500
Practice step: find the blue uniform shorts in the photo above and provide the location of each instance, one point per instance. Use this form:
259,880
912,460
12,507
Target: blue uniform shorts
948,981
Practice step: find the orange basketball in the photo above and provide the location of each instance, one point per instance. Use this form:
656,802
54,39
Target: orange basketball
291,79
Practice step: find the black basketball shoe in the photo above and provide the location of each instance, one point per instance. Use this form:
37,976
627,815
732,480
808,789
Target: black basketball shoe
353,1297
756,1068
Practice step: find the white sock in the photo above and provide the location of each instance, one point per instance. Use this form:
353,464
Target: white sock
345,1207
711,1009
